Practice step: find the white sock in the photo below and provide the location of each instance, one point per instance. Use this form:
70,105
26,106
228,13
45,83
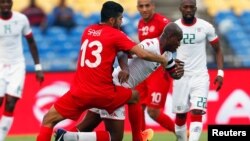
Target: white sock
80,136
195,130
5,125
181,132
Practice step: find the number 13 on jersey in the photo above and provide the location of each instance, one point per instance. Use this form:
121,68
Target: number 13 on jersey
96,53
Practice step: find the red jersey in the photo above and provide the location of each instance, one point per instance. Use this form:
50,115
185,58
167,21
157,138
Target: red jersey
99,46
153,28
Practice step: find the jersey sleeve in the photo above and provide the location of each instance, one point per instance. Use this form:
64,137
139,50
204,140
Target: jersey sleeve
150,45
26,29
123,42
211,34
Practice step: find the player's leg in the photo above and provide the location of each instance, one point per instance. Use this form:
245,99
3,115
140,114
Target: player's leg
14,75
181,90
2,91
7,116
49,121
114,123
65,107
137,124
157,94
3,83
198,100
90,121
115,128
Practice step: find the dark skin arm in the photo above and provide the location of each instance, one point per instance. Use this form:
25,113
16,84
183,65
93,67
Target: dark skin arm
123,63
34,54
219,60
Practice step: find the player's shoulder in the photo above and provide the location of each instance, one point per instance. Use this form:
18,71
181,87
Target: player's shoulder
151,42
203,22
178,21
161,18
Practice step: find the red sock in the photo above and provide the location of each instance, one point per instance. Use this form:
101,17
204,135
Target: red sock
143,124
44,134
102,136
165,121
8,114
196,118
135,121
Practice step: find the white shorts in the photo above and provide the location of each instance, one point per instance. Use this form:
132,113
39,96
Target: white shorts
12,79
118,114
190,92
116,80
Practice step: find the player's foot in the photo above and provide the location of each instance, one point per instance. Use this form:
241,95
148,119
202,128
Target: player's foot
147,134
59,134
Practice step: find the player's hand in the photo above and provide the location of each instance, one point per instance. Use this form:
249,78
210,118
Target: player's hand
179,69
123,76
219,82
39,76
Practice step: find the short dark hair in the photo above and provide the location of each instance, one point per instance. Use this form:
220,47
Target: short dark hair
171,29
110,9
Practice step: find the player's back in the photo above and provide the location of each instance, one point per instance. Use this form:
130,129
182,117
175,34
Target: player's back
100,44
140,69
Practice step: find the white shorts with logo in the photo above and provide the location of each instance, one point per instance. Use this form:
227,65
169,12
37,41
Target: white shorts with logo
12,79
118,114
190,92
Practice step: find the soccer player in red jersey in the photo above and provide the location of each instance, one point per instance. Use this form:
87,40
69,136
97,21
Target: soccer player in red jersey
92,85
155,88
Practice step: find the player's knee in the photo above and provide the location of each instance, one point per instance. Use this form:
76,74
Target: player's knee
1,101
10,103
51,118
135,97
181,116
197,112
181,119
10,106
153,113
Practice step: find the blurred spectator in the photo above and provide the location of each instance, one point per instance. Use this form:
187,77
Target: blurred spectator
34,13
62,16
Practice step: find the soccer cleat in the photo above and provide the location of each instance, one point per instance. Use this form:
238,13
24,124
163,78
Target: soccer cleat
59,134
147,135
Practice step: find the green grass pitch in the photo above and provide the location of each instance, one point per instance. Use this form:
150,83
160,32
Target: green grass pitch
158,136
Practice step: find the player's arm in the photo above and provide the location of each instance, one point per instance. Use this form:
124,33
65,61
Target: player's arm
34,54
123,63
219,60
142,53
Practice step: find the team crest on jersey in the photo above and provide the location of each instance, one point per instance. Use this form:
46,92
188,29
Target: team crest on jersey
199,29
152,28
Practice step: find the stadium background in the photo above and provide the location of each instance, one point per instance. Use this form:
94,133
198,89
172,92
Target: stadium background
59,49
